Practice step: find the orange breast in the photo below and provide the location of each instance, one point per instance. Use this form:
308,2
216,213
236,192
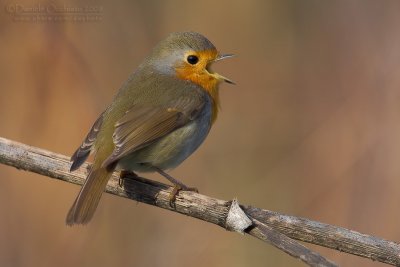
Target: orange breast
198,75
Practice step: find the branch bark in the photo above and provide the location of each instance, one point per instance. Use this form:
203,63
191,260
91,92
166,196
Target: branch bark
277,229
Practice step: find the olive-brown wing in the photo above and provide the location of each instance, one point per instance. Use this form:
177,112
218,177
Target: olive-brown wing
81,154
142,125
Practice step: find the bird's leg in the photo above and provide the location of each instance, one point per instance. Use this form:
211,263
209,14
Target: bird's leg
124,174
178,185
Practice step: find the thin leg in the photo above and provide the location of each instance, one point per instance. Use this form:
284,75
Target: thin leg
171,179
178,185
125,175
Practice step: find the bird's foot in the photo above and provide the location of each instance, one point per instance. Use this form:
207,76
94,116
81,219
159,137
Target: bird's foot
125,175
175,191
178,186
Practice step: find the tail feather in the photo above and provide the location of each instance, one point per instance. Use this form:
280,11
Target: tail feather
89,197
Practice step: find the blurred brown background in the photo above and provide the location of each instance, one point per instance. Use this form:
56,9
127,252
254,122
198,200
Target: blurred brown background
312,129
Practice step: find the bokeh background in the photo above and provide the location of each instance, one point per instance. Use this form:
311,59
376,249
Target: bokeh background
311,129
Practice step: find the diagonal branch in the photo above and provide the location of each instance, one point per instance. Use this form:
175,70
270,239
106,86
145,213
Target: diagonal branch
274,228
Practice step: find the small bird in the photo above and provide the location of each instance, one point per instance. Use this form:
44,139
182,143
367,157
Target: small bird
158,118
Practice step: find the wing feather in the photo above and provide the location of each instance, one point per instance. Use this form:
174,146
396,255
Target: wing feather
142,125
81,154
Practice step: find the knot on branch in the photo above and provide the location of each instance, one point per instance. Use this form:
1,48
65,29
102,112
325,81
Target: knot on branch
237,220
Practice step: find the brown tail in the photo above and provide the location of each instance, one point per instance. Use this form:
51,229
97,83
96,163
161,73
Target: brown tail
88,198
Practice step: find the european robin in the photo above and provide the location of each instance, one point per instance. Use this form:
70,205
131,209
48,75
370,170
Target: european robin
159,117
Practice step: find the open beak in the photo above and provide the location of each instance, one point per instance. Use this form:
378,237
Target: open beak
219,76
221,57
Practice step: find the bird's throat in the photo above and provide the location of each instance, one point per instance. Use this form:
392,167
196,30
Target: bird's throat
214,94
208,82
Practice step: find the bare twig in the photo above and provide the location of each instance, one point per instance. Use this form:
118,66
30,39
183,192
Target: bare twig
272,227
329,236
268,234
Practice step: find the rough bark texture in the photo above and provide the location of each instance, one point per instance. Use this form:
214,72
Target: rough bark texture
277,229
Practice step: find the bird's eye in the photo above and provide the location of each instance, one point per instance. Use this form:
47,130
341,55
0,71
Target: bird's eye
192,59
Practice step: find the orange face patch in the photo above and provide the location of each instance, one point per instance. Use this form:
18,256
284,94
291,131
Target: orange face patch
198,74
